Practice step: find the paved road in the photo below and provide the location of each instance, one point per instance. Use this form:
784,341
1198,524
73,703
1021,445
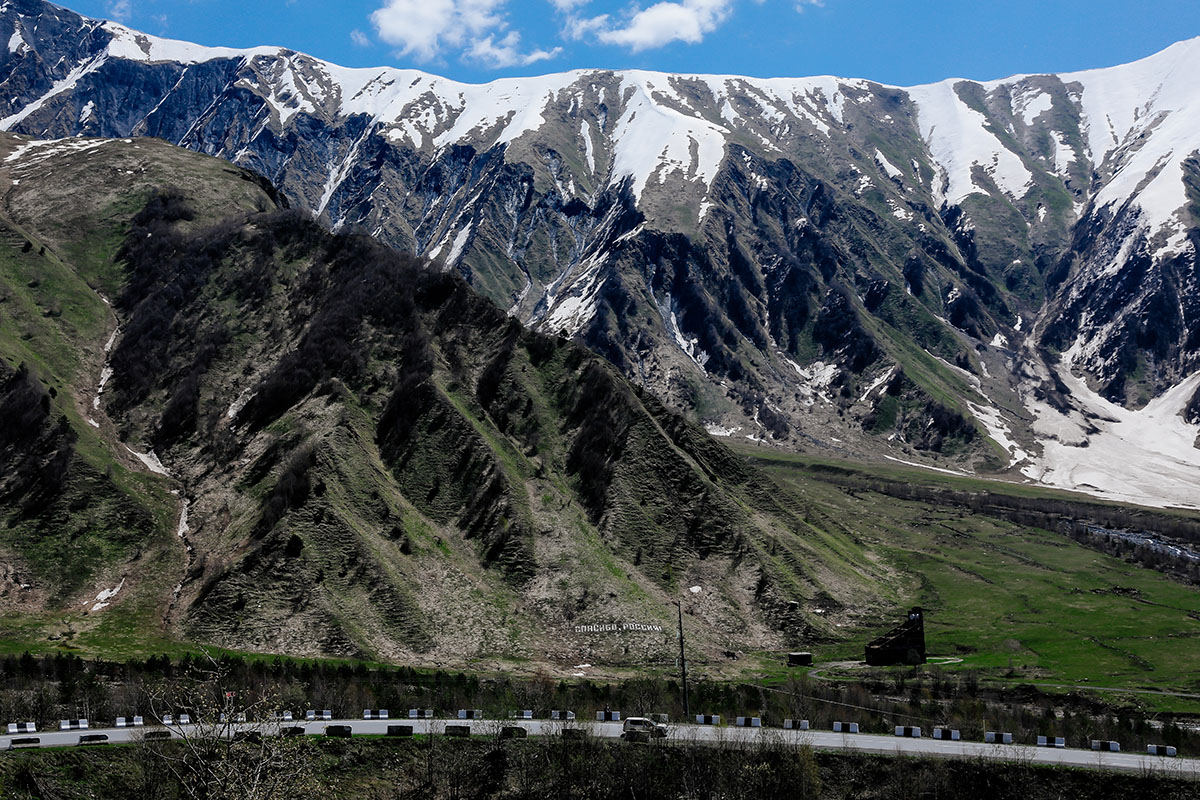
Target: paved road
699,734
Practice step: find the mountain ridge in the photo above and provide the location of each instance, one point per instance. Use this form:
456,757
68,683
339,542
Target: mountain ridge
967,242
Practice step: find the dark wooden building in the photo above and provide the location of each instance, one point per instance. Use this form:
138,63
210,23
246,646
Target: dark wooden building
904,644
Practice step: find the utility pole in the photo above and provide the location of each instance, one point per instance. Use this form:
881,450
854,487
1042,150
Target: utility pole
687,712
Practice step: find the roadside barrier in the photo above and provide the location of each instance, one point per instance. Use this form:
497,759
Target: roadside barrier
608,716
1106,745
130,722
1051,741
795,724
369,713
1161,750
950,734
564,716
708,719
399,730
470,713
845,727
749,722
312,715
339,731
420,713
994,737
522,714
458,731
908,731
21,727
72,724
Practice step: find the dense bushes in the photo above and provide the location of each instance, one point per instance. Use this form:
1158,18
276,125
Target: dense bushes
602,414
838,330
353,282
45,689
35,450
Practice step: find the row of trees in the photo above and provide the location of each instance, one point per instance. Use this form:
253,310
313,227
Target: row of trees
488,766
59,687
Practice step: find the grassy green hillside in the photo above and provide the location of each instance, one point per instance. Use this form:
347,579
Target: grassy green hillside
328,448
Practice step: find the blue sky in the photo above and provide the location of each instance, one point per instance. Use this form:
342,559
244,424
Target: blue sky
901,42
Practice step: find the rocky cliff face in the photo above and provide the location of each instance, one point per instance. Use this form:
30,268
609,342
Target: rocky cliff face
992,276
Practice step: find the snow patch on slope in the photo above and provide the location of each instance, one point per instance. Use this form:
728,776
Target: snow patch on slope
105,595
653,139
959,140
1147,457
132,45
998,429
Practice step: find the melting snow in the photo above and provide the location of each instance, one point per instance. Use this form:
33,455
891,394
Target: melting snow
888,167
151,461
183,528
237,405
585,133
134,46
998,430
719,430
460,241
105,376
108,594
653,139
880,381
572,312
815,379
690,346
958,139
65,85
1032,104
1146,457
924,466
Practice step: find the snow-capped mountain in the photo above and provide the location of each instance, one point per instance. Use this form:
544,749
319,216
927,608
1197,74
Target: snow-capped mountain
993,276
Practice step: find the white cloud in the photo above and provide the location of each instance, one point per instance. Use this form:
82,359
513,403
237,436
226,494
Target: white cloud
424,29
359,38
664,22
585,27
803,4
120,10
506,52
